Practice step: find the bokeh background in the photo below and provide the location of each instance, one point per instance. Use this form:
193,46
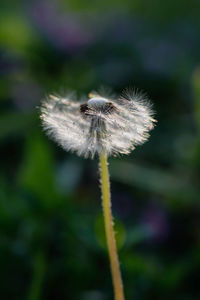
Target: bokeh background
52,242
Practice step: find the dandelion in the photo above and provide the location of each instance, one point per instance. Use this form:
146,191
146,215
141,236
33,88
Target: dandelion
102,126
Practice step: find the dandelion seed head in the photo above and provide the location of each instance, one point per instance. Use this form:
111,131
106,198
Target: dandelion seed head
100,124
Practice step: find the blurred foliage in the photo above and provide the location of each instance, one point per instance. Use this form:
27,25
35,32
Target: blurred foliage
52,243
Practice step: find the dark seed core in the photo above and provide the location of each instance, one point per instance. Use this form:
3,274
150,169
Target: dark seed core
107,108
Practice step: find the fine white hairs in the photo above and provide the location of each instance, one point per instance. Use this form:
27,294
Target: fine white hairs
100,124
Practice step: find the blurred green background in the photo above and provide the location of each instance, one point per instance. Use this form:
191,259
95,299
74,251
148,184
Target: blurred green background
51,233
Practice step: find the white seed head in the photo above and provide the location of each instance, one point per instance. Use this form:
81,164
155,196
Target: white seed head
99,125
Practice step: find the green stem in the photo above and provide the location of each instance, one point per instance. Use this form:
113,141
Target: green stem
110,235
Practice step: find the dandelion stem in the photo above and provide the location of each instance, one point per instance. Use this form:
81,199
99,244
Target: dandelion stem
110,235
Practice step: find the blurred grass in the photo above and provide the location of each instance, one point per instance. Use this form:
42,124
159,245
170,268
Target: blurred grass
163,183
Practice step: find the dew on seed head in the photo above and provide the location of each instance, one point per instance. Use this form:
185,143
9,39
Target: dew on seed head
97,102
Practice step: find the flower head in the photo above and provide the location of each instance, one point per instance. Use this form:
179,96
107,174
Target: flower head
100,124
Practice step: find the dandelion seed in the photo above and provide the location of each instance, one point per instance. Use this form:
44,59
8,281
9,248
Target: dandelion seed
101,124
